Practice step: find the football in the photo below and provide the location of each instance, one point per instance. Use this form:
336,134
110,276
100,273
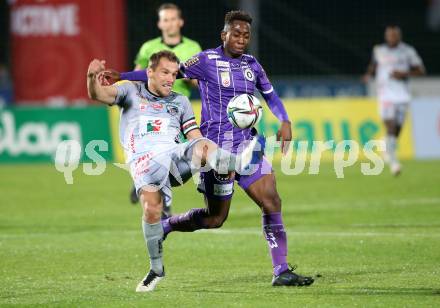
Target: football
244,111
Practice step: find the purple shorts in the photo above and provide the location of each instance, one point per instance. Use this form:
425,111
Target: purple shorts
221,187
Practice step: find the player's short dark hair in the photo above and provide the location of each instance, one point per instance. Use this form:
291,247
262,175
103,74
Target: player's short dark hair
237,15
393,26
170,6
155,58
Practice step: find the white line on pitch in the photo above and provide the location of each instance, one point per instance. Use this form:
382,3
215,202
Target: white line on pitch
331,233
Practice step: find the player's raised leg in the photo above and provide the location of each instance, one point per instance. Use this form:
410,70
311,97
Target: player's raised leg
212,216
217,187
152,204
264,193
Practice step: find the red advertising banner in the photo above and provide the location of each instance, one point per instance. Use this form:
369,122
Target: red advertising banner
53,42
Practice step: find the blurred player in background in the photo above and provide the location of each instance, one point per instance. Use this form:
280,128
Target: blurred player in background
393,63
151,118
222,73
170,23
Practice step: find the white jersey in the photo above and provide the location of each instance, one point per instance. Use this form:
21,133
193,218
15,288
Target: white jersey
151,124
400,58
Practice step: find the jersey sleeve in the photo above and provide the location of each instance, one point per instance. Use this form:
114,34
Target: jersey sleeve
267,91
138,75
187,120
143,56
124,87
263,84
414,58
194,68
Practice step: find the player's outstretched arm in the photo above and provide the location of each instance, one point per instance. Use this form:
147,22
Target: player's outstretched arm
96,91
141,75
275,105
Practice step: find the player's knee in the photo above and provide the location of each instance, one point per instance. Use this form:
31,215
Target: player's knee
152,211
272,203
214,222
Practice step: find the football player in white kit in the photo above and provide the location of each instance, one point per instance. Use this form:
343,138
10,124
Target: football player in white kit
152,116
393,63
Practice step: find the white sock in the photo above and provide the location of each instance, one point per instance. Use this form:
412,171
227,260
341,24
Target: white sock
153,234
391,145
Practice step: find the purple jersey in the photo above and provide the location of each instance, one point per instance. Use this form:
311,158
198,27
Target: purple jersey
220,79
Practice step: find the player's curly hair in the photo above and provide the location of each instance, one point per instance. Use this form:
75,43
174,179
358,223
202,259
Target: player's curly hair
237,15
155,58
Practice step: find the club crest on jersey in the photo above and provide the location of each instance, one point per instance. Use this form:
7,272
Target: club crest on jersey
249,75
225,78
172,110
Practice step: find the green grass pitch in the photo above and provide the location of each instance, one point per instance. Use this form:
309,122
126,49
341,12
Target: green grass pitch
372,240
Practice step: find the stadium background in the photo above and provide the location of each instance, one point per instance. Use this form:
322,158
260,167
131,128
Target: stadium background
313,56
368,240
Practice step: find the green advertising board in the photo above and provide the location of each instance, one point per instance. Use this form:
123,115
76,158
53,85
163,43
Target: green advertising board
32,134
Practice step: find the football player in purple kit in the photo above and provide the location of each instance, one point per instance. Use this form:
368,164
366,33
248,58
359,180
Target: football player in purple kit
222,73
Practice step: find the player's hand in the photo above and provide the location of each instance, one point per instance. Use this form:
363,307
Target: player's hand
112,75
285,135
95,67
399,75
103,81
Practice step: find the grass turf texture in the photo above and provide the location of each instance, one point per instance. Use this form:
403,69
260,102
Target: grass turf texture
374,240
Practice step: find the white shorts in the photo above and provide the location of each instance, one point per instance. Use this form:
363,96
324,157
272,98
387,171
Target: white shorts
151,171
393,111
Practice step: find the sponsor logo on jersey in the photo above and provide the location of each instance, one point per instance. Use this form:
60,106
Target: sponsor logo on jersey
225,78
131,143
191,62
142,164
157,106
153,126
221,63
249,74
211,57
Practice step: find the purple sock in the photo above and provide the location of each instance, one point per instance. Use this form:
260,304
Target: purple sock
276,238
166,226
187,222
